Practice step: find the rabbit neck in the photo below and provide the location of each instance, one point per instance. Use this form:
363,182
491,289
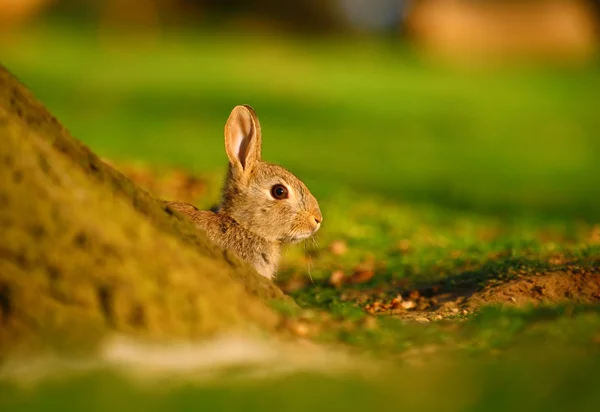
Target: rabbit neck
262,254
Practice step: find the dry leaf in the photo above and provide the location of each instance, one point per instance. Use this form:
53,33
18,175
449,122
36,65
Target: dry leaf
338,247
294,284
337,278
414,295
362,276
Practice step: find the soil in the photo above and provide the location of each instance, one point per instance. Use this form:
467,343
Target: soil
84,252
576,285
555,287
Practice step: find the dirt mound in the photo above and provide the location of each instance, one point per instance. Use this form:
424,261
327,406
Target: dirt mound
85,252
439,301
556,287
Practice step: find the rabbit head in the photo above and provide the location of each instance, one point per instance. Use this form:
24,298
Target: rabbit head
264,198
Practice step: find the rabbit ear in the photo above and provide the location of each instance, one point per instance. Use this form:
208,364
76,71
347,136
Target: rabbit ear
243,138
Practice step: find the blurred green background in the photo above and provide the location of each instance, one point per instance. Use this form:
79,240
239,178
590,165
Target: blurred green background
429,121
341,102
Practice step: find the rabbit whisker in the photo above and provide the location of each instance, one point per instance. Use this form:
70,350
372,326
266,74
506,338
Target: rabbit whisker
308,263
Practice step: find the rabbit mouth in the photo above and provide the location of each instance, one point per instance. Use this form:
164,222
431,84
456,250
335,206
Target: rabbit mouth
302,231
297,237
302,236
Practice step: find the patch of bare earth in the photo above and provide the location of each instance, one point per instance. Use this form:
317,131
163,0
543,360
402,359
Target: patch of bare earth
576,285
581,286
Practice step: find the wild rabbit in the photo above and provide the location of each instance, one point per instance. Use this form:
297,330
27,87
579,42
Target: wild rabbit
263,206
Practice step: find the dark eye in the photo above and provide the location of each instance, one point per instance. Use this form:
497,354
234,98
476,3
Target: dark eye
279,192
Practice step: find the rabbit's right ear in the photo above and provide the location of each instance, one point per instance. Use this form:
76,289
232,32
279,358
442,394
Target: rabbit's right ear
242,139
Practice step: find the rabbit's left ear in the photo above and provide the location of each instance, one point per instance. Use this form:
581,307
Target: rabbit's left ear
243,139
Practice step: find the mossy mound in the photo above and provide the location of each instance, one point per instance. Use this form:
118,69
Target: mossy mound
84,251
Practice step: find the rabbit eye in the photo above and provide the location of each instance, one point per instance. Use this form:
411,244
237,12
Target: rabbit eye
279,192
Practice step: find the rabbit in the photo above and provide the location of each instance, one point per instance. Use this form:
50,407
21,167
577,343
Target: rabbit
263,206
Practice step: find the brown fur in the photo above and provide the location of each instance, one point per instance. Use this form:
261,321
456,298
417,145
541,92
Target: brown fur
249,220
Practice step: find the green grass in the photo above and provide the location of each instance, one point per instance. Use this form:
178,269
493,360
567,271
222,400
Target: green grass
435,176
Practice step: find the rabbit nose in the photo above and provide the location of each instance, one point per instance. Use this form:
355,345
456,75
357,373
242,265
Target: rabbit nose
318,217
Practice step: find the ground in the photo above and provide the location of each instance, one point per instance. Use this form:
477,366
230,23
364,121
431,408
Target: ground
461,237
329,276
